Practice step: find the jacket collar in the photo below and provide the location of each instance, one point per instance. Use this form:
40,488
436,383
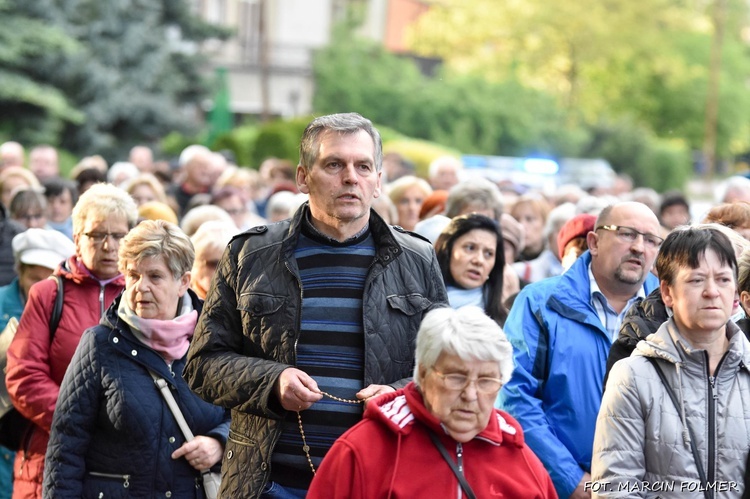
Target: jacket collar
386,245
667,343
573,300
124,341
74,269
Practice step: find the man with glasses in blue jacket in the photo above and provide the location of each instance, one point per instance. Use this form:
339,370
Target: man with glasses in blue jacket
562,329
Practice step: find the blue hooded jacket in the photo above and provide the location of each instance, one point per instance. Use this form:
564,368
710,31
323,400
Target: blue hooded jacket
560,353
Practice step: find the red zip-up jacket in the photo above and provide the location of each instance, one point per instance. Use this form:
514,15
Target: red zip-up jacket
36,366
389,454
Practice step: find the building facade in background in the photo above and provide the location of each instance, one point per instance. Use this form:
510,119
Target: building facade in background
269,60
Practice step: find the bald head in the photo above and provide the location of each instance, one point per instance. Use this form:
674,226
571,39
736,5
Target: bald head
445,172
624,246
143,158
11,154
43,162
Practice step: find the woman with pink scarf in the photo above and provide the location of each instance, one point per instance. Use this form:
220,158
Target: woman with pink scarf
113,433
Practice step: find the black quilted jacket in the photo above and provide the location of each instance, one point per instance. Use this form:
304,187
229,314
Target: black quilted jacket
112,432
248,331
642,319
8,230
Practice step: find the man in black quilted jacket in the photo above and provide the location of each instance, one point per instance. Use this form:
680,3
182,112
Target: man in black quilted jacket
308,318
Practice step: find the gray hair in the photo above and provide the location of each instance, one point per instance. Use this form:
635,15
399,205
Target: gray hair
557,217
475,192
739,243
466,332
398,187
734,184
213,235
122,168
154,238
102,201
436,163
201,214
191,152
344,124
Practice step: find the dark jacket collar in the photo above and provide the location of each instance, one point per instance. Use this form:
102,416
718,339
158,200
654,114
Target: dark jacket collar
386,245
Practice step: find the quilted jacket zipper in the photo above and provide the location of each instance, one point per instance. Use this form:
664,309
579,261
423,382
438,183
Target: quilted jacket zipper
125,478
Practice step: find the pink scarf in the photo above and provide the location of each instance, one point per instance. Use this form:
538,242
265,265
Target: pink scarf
169,338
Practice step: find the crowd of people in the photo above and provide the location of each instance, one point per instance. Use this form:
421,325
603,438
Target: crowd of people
347,328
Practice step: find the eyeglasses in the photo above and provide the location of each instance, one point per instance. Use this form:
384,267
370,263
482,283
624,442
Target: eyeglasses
630,234
235,211
455,381
100,237
30,217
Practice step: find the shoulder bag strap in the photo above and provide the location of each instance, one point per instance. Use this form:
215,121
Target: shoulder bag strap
163,387
54,320
693,448
443,452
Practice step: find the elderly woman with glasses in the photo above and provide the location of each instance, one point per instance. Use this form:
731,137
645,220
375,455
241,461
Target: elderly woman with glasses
440,436
40,353
113,434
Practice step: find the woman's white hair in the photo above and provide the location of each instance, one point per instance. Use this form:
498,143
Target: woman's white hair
466,332
197,216
101,202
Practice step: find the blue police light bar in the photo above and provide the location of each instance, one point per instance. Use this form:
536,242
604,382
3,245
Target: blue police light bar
541,166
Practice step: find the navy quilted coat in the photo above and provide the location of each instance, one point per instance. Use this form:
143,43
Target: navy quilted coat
248,331
112,432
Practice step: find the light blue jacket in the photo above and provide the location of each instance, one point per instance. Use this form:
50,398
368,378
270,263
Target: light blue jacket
560,351
11,304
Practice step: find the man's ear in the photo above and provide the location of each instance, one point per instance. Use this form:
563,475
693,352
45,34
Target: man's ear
592,240
302,180
745,302
379,187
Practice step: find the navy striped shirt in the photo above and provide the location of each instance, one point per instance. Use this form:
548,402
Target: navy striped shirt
330,349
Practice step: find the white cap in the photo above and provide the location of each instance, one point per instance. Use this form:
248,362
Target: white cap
43,247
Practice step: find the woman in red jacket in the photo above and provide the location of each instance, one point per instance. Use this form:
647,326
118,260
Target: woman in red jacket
440,436
38,357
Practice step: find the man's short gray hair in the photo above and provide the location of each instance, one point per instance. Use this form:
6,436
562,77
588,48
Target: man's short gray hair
436,163
466,332
344,124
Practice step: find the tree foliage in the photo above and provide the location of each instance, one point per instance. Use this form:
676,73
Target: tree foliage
644,60
32,110
132,76
475,115
462,112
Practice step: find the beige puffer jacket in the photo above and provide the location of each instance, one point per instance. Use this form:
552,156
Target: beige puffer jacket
642,446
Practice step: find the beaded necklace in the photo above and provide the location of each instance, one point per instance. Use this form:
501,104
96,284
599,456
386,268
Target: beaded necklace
305,447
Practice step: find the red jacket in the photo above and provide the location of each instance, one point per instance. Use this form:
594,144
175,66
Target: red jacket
389,454
36,367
